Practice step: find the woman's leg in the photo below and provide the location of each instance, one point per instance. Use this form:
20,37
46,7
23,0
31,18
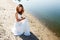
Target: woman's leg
27,29
18,29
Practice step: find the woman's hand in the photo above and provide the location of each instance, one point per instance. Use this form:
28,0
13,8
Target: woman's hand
23,17
20,19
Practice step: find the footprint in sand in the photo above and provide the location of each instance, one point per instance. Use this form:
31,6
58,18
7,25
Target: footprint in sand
2,33
1,8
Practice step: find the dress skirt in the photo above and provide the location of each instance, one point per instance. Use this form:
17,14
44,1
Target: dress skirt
21,27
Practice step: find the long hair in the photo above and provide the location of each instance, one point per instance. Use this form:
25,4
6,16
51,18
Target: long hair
17,9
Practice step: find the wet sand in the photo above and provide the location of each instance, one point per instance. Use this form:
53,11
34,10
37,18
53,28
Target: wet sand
7,17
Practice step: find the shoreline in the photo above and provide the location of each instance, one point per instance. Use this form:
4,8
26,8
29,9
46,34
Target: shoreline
7,21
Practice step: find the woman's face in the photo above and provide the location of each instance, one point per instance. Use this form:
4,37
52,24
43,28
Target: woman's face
20,9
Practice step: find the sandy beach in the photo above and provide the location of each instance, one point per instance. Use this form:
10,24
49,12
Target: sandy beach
7,19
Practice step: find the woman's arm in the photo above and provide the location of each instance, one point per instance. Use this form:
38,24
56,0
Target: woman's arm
16,15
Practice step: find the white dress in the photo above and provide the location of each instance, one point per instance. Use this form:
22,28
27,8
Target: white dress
21,27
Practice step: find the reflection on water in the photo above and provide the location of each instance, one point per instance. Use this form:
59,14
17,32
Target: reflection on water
46,10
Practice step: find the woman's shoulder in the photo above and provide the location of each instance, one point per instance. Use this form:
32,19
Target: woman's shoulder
17,14
23,15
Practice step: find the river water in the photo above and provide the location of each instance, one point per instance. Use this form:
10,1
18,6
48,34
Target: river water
47,11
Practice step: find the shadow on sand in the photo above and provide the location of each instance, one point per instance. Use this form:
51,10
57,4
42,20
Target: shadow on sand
31,37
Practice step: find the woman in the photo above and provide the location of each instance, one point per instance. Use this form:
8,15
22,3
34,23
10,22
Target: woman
21,25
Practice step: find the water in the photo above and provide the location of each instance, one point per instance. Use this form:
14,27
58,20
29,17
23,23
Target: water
47,11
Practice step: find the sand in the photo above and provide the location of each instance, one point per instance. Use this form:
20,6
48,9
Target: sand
7,17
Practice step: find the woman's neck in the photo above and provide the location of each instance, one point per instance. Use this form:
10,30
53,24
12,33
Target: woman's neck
20,13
